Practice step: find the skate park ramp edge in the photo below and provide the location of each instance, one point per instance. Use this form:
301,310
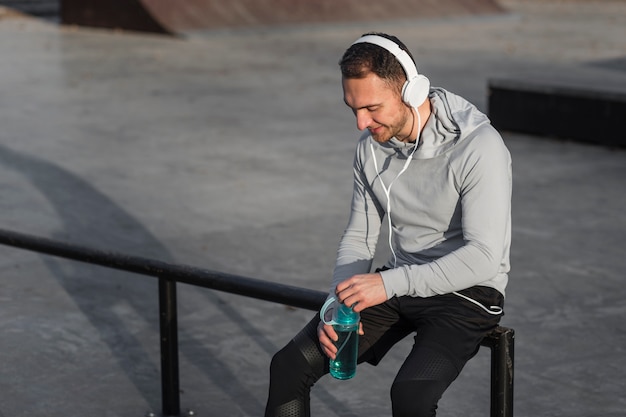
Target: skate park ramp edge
184,16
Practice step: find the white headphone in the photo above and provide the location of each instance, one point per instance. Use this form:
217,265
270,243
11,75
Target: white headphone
417,86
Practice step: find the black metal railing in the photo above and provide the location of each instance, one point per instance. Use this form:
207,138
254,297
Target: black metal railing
500,341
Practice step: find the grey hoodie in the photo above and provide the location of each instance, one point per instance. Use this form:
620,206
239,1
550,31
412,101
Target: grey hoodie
450,208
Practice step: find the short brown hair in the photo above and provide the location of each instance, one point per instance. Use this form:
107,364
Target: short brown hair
362,58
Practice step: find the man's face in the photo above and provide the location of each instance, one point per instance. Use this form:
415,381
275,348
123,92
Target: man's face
377,107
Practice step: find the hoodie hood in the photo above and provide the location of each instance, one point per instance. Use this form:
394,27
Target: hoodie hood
452,120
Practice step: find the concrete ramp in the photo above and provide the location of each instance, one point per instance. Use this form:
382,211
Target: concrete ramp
183,16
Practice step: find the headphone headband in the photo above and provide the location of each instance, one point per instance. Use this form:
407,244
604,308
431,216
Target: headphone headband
416,88
403,57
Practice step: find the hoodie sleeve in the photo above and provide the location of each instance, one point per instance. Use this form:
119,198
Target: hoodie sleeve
482,175
358,243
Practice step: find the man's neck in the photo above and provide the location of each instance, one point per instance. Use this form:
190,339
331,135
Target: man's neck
420,117
424,111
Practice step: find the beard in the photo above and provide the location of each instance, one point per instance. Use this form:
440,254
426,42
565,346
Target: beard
384,133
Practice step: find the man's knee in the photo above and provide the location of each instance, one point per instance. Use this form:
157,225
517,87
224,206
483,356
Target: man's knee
288,362
300,357
416,398
281,359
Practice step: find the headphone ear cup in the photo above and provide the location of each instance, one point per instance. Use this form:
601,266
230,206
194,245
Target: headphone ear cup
415,91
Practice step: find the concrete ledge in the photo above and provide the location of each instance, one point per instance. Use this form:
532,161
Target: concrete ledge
589,109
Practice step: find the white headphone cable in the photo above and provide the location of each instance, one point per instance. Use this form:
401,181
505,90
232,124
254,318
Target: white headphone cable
494,310
387,190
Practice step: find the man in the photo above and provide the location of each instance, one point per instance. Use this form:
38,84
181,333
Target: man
432,165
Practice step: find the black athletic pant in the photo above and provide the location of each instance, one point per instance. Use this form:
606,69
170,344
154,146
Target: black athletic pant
448,331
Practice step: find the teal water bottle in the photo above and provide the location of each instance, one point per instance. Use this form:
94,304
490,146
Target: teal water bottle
346,324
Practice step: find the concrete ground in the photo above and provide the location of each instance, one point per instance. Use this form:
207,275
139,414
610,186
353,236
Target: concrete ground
232,150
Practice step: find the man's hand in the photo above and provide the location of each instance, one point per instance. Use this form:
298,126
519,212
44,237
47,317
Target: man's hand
327,337
362,291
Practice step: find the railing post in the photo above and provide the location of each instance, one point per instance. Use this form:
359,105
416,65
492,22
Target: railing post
168,314
502,358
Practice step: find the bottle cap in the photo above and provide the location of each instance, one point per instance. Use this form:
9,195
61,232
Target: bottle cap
341,314
345,315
